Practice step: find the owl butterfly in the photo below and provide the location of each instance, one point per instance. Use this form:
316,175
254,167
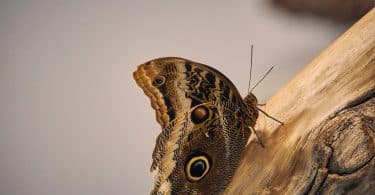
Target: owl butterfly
205,125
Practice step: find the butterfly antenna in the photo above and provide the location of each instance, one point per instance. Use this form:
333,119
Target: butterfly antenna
251,67
264,76
256,135
269,116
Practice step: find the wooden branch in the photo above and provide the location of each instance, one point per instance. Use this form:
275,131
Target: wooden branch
327,143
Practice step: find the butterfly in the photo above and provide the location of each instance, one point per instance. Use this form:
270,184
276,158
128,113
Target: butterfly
205,125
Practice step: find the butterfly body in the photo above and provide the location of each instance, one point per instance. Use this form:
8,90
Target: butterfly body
205,125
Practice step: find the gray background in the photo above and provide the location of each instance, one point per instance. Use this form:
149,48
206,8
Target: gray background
72,120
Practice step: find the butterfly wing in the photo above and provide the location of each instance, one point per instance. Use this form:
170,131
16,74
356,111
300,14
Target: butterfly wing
204,125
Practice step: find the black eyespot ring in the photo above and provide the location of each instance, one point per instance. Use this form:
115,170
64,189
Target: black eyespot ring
193,81
158,81
200,114
197,167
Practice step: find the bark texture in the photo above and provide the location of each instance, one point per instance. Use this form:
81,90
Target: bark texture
326,145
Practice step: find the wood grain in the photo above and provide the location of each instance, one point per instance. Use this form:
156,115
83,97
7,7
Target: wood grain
326,145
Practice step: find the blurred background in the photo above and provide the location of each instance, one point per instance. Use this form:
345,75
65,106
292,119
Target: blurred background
73,121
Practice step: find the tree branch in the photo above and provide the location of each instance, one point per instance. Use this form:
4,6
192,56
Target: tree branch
326,145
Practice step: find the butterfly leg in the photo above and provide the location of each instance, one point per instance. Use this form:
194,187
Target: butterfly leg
269,116
256,135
